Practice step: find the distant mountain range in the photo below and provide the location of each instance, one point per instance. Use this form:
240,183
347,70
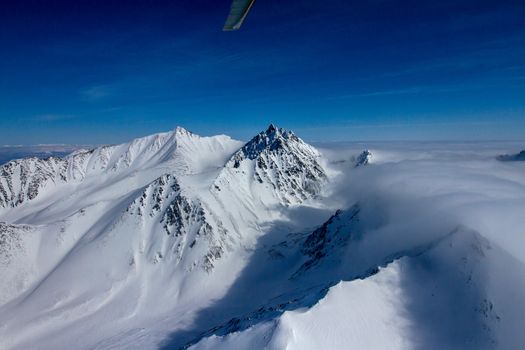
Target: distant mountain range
8,153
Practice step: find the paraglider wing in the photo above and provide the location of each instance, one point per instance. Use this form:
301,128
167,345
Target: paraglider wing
238,12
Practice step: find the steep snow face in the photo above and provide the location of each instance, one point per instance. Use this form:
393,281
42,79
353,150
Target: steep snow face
274,166
118,228
362,314
443,297
180,151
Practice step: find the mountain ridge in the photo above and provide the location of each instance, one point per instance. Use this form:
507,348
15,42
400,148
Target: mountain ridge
175,240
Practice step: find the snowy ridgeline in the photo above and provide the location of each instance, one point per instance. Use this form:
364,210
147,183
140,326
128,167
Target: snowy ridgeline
180,241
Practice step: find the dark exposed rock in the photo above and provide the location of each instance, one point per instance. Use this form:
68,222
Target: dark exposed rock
330,237
512,157
363,158
284,162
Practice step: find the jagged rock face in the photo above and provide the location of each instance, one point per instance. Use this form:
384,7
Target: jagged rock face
333,234
22,180
187,224
331,237
154,196
282,160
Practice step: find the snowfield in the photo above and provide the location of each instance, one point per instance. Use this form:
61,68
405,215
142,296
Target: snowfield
176,241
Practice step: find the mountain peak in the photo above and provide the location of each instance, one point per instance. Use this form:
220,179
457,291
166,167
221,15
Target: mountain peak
271,129
274,131
281,161
272,139
179,130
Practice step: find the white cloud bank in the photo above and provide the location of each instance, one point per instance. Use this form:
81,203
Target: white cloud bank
428,186
466,292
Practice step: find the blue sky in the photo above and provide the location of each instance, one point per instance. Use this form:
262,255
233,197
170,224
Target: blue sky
106,71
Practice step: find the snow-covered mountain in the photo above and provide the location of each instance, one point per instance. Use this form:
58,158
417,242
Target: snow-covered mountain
155,209
176,240
277,162
441,282
179,151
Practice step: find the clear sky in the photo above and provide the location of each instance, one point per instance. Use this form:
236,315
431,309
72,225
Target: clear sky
108,71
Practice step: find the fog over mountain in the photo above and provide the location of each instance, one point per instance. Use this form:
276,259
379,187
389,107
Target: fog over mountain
176,241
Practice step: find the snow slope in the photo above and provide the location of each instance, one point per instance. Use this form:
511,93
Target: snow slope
444,286
176,240
141,222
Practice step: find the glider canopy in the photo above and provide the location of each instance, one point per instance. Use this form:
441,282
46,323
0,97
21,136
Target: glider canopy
238,12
